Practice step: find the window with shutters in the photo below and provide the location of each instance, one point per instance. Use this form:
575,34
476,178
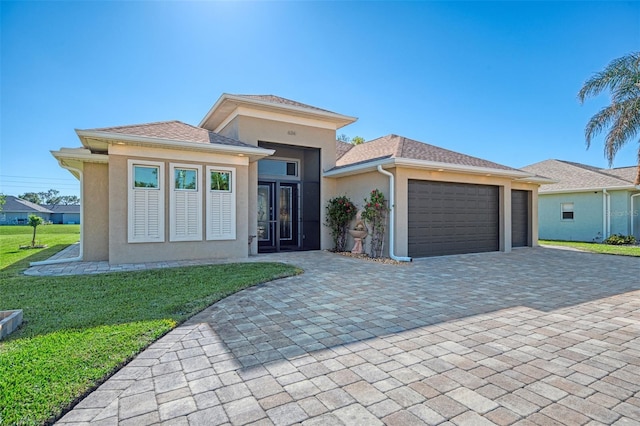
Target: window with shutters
146,201
221,203
185,220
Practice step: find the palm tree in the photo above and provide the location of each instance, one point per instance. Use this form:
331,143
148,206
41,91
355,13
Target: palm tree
622,78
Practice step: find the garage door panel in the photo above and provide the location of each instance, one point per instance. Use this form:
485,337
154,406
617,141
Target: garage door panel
452,218
520,218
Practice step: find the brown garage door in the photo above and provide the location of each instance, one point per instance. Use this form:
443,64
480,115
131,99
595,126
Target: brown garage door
452,218
519,218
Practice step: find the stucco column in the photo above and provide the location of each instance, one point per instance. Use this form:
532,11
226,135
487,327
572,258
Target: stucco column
505,218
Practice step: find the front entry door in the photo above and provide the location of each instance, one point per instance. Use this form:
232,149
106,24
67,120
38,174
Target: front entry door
278,216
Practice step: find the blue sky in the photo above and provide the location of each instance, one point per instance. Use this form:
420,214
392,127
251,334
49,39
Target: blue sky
496,80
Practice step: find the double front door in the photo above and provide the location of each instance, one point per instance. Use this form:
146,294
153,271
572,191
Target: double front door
278,216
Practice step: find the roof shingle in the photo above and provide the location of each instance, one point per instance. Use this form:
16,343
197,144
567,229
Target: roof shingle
18,205
394,146
577,176
283,101
173,130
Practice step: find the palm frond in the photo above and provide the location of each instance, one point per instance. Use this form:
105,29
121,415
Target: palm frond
600,121
619,72
624,128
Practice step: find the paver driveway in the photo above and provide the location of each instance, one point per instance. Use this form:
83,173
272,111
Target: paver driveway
537,336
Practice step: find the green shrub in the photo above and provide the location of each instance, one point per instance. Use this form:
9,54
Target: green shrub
375,213
619,240
340,211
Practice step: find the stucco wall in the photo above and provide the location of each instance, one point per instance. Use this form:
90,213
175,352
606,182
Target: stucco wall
358,188
120,251
587,224
620,212
95,215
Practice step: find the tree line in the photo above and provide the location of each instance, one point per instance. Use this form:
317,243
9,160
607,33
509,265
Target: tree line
51,197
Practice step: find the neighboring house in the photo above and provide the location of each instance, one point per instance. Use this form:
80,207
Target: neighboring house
255,176
16,211
587,203
64,214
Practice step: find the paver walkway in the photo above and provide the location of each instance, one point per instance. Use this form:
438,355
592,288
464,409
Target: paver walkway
537,336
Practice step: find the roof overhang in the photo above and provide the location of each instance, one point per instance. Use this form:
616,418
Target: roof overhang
97,141
227,107
433,166
73,159
591,189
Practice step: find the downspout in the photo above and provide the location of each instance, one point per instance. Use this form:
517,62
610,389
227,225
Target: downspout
79,257
392,217
606,216
633,212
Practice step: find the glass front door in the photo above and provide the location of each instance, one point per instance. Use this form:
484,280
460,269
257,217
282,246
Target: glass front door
278,216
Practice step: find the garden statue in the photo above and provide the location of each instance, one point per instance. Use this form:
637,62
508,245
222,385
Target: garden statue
358,233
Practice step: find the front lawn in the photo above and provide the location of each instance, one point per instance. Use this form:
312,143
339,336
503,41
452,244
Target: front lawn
78,330
596,247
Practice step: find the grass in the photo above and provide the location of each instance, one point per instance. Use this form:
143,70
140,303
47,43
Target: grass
597,247
56,237
78,330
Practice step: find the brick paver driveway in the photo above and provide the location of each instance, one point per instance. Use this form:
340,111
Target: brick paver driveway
537,336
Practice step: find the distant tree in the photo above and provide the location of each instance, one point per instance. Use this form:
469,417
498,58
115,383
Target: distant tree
34,221
50,197
622,79
31,196
3,199
357,140
69,200
344,138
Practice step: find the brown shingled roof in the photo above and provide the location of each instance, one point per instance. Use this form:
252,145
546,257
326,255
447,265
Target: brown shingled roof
576,176
172,130
394,146
342,148
283,101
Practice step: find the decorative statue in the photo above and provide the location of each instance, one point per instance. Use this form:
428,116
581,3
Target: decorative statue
358,233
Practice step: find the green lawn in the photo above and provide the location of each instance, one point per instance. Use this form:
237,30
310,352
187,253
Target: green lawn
596,247
79,330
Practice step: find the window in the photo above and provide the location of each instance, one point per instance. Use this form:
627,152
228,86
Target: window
221,203
278,167
567,211
145,201
220,180
145,176
185,221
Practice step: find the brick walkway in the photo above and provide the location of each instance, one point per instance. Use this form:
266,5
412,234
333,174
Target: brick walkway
537,336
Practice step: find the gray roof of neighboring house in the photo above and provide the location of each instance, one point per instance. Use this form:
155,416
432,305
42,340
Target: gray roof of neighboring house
59,208
18,205
576,176
173,130
283,101
394,146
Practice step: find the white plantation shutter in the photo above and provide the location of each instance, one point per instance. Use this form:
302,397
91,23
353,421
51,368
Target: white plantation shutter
186,209
221,209
146,208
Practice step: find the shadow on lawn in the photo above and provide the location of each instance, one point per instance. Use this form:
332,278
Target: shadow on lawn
38,255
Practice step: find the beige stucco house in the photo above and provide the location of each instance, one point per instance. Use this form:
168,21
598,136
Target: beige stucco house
255,175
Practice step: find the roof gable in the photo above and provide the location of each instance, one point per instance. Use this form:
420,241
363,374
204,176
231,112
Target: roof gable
172,130
283,101
18,205
576,176
394,146
271,107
